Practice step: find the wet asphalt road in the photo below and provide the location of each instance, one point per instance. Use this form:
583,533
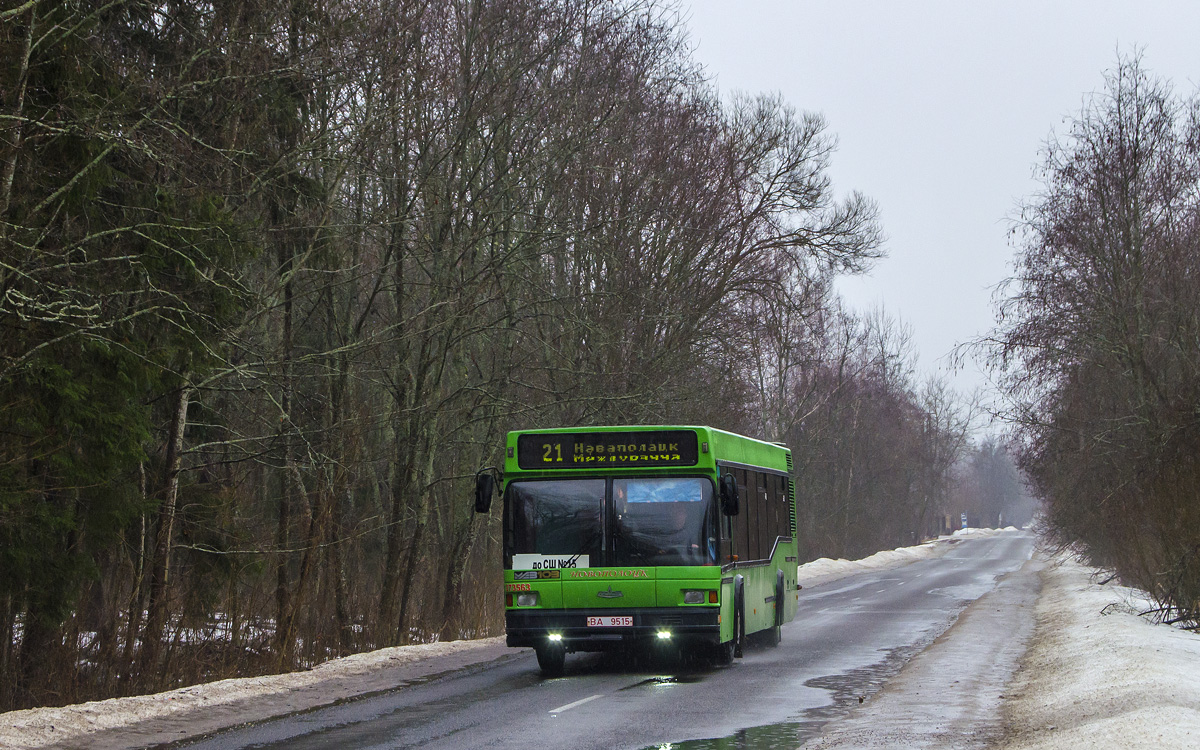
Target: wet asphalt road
848,638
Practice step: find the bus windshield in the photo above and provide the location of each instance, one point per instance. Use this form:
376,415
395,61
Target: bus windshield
650,521
558,517
663,521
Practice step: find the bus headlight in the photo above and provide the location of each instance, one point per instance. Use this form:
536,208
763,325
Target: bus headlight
693,597
528,599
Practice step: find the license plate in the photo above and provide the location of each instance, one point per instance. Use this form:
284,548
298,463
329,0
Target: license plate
610,622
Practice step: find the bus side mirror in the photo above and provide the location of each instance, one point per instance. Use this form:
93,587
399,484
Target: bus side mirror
485,486
729,495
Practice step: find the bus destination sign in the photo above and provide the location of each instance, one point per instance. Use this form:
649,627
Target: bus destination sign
577,450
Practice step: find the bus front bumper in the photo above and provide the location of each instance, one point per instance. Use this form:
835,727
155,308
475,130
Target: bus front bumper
535,627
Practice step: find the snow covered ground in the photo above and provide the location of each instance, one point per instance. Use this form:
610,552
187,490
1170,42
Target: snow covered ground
1089,679
1099,676
149,720
824,570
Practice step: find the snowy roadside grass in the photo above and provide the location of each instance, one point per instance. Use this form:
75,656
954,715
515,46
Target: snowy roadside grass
1098,676
72,725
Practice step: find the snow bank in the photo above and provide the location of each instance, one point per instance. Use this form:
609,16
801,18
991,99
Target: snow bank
222,702
824,569
1098,676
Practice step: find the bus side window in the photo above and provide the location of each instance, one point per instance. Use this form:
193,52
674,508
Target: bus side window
777,507
785,501
744,519
785,507
753,517
767,493
766,536
725,549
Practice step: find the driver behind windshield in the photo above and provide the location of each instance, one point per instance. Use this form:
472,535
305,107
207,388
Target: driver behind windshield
663,521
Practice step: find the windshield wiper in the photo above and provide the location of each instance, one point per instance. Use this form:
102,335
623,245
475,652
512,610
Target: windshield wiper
595,537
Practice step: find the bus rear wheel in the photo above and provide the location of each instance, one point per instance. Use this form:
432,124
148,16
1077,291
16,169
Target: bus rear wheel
775,635
551,660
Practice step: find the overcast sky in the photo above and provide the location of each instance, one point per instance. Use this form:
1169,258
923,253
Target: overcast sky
940,109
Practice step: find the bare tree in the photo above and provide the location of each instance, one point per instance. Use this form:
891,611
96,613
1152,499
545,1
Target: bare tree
1097,342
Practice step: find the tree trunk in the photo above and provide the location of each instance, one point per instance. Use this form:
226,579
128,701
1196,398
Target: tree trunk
40,643
314,539
420,488
455,573
289,483
335,564
7,620
401,487
403,466
341,605
137,593
16,128
159,579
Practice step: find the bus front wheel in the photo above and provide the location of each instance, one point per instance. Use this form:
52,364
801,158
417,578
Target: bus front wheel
723,654
551,660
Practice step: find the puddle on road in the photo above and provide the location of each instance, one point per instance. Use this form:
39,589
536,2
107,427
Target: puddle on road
677,679
847,689
788,735
967,592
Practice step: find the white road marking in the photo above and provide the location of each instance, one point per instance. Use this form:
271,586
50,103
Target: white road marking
579,702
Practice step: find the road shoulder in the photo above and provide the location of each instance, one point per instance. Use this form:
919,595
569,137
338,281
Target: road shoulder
191,712
950,695
1098,676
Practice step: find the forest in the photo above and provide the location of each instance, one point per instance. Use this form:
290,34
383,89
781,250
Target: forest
276,278
1098,342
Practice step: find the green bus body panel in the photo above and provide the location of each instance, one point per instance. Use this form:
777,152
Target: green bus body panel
730,448
657,587
664,586
584,594
703,573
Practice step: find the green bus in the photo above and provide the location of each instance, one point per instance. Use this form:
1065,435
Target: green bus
618,537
